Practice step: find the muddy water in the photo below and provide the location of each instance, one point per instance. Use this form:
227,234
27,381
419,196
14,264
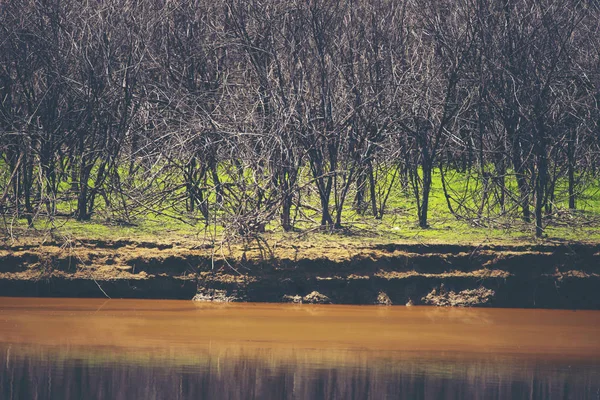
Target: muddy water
148,349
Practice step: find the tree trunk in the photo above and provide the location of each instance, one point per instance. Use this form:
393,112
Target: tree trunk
571,173
83,213
286,212
521,181
359,198
325,214
426,190
373,194
27,183
541,180
217,183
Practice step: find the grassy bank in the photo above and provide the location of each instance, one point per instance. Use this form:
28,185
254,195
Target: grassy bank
470,222
493,260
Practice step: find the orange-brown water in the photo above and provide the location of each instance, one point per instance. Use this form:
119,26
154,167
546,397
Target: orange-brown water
147,349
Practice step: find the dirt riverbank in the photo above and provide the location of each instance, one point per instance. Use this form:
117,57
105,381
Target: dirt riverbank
544,276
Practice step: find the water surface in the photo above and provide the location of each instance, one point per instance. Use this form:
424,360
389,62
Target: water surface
148,349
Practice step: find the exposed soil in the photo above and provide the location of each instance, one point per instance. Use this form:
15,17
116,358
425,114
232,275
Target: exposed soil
546,276
464,298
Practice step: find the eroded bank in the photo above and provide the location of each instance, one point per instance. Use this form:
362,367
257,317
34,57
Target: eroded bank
543,276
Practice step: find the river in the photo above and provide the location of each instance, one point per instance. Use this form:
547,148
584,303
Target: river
151,349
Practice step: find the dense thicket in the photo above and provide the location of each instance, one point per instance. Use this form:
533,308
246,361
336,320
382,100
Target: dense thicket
241,113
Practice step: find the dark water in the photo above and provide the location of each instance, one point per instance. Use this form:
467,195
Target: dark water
130,349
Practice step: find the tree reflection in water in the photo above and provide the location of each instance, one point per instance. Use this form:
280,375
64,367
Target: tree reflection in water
43,372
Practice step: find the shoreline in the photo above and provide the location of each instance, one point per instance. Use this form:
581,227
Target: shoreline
561,276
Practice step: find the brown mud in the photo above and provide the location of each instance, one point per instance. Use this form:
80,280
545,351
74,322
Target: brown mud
522,276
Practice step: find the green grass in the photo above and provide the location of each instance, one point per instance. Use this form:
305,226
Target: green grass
399,223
